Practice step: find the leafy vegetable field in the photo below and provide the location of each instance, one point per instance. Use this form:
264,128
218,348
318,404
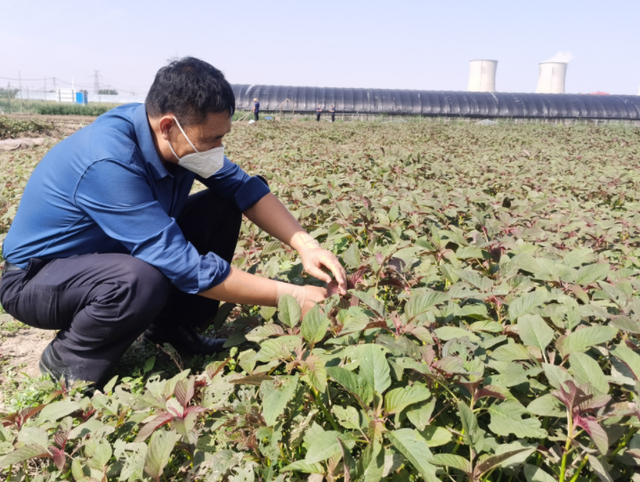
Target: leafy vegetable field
490,333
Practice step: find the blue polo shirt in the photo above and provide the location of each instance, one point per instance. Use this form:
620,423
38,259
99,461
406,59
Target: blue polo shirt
104,189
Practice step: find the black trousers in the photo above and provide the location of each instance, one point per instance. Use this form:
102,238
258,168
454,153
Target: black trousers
256,116
101,303
318,117
333,117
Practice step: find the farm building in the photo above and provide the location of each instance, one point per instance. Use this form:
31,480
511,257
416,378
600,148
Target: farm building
438,103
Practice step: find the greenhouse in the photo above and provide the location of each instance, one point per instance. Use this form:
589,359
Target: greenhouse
301,100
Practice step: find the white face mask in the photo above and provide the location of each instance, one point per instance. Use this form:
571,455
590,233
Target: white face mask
204,164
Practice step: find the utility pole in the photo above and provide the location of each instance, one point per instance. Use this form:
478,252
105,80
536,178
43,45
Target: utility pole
45,88
96,81
55,92
20,85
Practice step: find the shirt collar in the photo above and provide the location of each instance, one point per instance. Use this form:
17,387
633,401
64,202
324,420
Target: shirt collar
145,142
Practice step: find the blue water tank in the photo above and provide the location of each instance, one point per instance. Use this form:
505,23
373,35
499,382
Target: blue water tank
81,98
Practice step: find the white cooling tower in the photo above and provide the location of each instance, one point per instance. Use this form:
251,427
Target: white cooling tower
551,78
482,75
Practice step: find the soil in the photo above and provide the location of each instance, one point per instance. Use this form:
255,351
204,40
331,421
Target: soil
24,347
20,353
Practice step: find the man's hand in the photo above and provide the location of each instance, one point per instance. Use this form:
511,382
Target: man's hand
314,258
312,296
306,296
271,215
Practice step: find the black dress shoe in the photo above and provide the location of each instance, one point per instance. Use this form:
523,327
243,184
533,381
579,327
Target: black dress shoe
52,364
185,339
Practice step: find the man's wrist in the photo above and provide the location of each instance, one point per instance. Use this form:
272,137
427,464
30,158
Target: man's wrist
289,289
301,241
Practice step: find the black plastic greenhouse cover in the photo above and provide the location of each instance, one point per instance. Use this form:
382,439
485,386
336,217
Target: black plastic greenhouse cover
302,100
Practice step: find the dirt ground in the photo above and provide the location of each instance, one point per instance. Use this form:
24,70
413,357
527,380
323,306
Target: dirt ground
23,348
20,350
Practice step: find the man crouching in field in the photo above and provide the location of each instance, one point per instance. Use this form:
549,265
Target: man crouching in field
108,244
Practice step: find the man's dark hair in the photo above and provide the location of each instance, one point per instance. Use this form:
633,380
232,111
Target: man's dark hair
190,89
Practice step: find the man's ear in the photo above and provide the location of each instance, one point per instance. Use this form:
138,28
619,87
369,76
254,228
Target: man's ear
166,124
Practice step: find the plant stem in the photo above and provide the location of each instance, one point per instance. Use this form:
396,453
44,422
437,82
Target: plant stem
567,445
624,441
582,464
324,410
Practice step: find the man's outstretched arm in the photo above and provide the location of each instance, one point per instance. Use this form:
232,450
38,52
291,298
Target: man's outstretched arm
273,217
245,288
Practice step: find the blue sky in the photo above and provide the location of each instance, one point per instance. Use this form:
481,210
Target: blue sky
377,44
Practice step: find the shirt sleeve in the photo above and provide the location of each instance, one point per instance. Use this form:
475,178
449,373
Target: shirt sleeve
119,199
231,182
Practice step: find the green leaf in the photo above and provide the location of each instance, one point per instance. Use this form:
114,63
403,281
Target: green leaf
323,446
246,473
454,461
581,340
352,256
629,358
160,447
33,436
398,399
267,312
277,348
263,332
599,469
573,313
450,332
316,373
421,415
57,410
555,374
371,464
348,416
486,325
586,370
423,302
495,460
289,311
511,352
592,273
469,252
314,325
547,406
534,331
436,436
536,474
305,467
23,453
526,303
275,400
353,383
414,447
376,305
578,257
101,456
473,436
506,418
373,366
133,453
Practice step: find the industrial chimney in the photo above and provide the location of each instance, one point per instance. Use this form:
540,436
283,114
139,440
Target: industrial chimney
551,78
482,75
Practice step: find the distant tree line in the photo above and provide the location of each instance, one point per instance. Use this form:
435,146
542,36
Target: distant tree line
8,93
107,92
